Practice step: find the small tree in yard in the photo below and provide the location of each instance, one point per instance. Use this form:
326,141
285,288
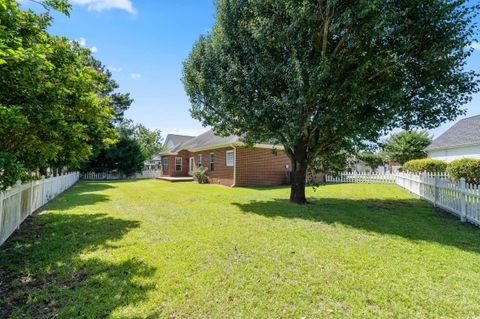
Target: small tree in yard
406,146
320,76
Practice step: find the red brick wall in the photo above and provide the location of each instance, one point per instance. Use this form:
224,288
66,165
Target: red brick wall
222,174
255,166
261,167
171,164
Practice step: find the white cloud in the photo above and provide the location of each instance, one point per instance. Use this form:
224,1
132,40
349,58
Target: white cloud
135,76
475,45
102,5
82,42
93,49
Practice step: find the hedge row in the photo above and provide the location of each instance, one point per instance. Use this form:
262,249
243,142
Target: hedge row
425,165
467,168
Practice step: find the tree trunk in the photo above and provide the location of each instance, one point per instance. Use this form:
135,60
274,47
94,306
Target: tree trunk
298,175
297,188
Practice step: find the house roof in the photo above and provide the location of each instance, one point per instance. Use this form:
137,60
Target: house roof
178,139
464,132
203,141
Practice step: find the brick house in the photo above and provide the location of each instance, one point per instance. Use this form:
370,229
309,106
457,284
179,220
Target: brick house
227,159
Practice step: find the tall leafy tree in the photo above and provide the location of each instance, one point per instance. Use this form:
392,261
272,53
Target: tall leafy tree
319,76
406,145
52,109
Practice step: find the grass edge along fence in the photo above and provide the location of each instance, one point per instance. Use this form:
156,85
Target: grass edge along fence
115,176
459,198
20,201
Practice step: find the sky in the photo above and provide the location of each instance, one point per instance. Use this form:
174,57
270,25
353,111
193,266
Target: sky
144,42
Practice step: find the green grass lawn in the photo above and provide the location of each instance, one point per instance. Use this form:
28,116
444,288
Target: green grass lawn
148,249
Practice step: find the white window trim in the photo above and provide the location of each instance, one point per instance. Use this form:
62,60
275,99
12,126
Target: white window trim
210,162
165,167
200,160
181,164
226,158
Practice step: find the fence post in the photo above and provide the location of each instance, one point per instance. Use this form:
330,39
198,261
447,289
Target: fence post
1,216
462,201
30,203
19,204
435,191
43,190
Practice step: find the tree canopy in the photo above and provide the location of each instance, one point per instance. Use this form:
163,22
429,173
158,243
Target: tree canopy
406,145
57,103
319,77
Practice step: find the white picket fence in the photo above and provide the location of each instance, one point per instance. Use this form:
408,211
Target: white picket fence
19,202
115,176
459,198
361,178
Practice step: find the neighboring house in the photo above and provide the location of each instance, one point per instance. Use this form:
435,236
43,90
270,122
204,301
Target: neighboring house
153,163
462,140
227,159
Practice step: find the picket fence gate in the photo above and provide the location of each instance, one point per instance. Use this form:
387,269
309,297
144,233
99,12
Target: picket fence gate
20,201
115,176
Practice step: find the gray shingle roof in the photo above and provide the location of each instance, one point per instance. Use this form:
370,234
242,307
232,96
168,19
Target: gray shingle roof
178,139
205,140
464,132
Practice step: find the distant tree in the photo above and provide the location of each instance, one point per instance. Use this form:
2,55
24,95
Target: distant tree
150,141
372,160
137,144
406,145
126,156
318,77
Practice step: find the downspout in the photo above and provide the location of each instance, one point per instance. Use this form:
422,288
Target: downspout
234,166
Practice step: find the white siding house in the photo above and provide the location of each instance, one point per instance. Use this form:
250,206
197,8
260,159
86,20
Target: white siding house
462,140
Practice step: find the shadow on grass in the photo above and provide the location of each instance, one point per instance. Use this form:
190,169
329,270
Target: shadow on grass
413,219
43,275
82,194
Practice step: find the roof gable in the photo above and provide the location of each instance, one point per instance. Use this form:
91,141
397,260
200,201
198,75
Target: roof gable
464,132
173,140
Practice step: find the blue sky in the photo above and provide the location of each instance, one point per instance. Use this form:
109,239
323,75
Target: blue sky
144,43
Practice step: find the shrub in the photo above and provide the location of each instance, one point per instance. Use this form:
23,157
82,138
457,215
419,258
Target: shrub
468,168
424,165
200,175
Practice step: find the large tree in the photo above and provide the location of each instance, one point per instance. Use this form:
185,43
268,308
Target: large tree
319,76
54,108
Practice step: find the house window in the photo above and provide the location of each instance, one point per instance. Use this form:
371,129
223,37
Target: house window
178,164
212,162
199,163
165,164
229,158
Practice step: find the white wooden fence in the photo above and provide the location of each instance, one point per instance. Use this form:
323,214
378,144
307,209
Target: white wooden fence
19,202
459,198
115,176
362,178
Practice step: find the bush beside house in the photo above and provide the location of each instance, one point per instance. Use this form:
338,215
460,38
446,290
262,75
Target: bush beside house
424,165
467,168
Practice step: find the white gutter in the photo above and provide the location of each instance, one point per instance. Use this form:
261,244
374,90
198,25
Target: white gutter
234,165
